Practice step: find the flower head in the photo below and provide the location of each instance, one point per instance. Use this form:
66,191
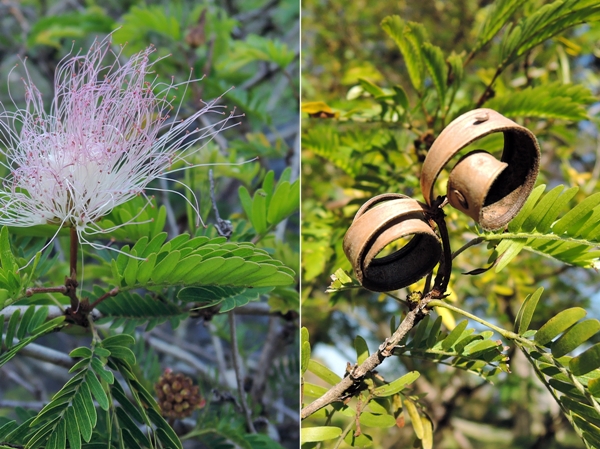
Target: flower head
178,397
108,133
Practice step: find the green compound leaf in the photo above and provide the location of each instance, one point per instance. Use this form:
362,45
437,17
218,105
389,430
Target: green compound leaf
141,20
371,88
362,440
15,327
71,414
454,335
413,413
164,268
228,297
52,30
550,101
572,239
164,431
544,23
497,14
73,434
10,278
409,37
257,48
127,424
202,261
148,223
130,272
272,203
314,391
133,310
97,390
461,348
82,351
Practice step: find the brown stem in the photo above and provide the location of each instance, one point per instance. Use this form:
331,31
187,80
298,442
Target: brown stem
484,96
276,339
443,275
473,242
357,373
224,227
73,253
71,291
113,292
238,373
33,290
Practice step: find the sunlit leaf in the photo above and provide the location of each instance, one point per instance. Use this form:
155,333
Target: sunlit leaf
558,324
315,434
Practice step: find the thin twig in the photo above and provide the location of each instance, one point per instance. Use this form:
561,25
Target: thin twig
218,347
73,252
17,377
397,298
256,308
33,290
224,227
18,15
190,346
114,292
505,333
444,271
172,229
343,435
357,373
267,356
238,373
32,405
53,312
180,354
484,96
45,354
472,242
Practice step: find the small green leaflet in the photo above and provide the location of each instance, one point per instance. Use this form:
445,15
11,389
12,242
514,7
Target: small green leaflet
228,297
315,434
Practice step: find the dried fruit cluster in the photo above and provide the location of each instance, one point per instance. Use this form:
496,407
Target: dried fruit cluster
178,397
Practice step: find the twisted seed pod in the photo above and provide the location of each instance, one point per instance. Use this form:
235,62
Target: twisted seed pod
380,222
490,191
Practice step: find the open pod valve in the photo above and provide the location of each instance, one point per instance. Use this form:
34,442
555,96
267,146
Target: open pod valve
490,191
381,222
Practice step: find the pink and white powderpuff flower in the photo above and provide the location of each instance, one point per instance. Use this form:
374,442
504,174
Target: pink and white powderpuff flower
107,135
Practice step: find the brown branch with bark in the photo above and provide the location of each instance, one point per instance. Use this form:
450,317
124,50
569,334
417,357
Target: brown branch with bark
418,311
358,372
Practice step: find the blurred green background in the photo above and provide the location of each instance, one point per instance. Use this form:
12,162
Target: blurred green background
356,145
